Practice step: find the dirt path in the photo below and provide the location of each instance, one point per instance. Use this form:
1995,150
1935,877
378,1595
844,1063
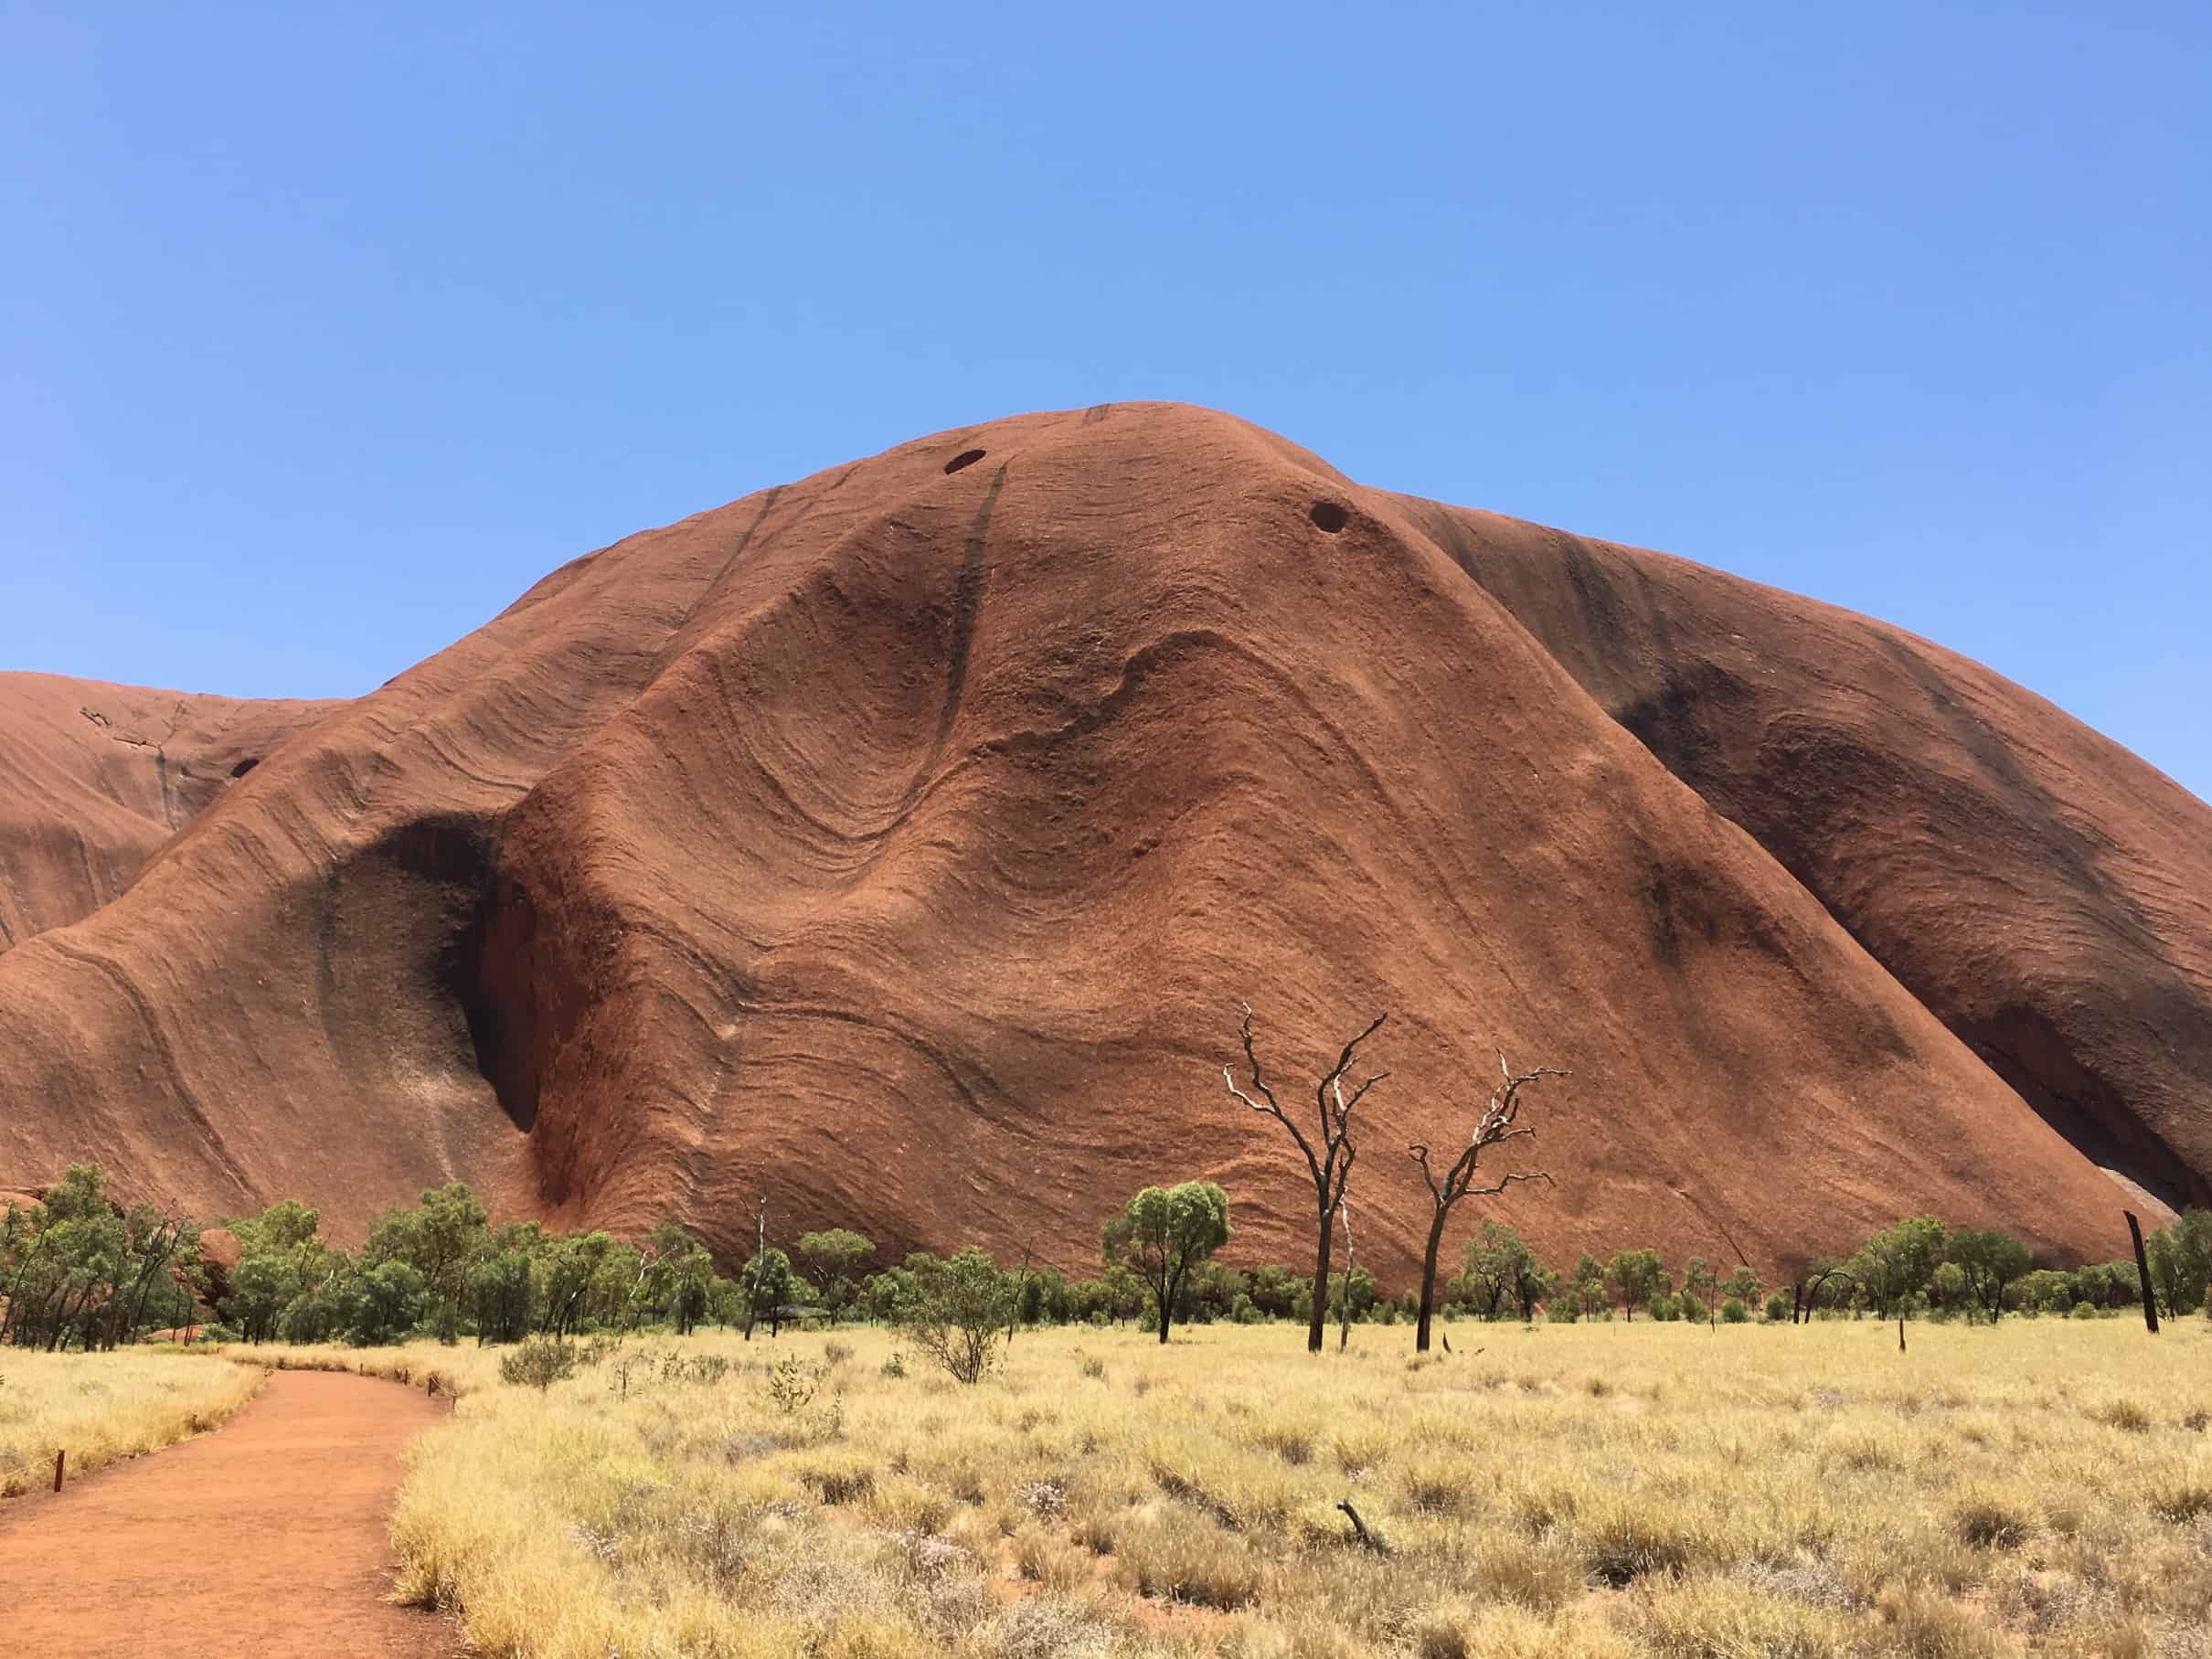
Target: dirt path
268,1536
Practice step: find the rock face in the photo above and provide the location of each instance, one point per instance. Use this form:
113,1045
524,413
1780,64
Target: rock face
902,842
100,776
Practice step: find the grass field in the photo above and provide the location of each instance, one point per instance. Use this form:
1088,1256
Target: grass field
1609,1489
102,1407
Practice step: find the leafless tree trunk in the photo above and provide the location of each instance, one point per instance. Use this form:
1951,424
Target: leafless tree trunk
1809,1297
1351,1264
760,1268
2142,1272
1331,1165
1499,1122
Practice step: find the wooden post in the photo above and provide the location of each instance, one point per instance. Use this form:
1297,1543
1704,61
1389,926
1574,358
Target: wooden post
59,1456
2142,1272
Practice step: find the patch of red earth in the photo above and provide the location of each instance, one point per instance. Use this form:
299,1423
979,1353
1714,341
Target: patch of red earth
270,1537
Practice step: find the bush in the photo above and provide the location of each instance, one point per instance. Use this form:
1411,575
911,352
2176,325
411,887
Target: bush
957,1313
1778,1308
2082,1310
1733,1311
539,1361
792,1384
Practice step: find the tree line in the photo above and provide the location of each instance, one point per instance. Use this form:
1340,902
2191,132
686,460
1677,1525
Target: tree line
80,1270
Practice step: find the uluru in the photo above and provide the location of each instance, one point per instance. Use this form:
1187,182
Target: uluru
902,844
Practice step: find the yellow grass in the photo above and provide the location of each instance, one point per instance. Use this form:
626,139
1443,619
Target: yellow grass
1662,1490
99,1407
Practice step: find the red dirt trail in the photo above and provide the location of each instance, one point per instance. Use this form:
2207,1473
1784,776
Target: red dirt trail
267,1537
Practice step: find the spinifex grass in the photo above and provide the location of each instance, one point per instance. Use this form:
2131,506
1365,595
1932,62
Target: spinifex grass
2046,1486
100,1407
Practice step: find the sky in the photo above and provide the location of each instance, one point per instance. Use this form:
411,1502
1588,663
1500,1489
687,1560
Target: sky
328,330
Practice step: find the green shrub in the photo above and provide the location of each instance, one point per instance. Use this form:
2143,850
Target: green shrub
539,1362
958,1313
2082,1310
1733,1311
1778,1308
792,1384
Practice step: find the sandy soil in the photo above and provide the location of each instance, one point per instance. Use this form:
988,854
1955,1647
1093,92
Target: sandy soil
268,1537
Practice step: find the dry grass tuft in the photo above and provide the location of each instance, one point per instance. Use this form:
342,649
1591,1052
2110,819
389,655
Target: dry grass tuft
1794,1492
103,1408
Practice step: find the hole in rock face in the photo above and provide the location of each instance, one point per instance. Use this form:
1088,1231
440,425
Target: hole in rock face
1328,516
965,458
245,766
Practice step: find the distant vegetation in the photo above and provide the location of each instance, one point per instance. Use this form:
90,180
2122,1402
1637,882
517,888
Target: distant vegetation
79,1272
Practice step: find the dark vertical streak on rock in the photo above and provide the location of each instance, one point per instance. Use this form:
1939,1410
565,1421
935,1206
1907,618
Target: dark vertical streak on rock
967,603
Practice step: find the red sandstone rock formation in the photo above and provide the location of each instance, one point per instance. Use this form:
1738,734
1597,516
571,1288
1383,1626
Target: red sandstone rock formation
902,841
99,776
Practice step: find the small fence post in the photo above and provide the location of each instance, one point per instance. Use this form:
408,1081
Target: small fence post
59,1456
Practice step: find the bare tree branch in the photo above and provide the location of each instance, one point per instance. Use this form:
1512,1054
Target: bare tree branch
1498,1122
1330,1164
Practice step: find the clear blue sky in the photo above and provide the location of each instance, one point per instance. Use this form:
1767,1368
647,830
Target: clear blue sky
331,328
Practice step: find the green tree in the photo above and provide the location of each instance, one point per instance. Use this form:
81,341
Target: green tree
1122,1292
1274,1290
2181,1261
382,1303
883,1294
1359,1285
1162,1234
681,1277
767,1283
1700,1280
1499,1258
1895,1265
70,1253
1990,1264
262,1286
1211,1292
956,1312
1589,1284
2044,1291
503,1292
835,1257
1635,1277
279,1229
569,1265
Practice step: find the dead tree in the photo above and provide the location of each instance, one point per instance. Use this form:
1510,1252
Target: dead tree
1500,1123
2143,1273
1331,1166
760,1266
1351,1266
1808,1293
